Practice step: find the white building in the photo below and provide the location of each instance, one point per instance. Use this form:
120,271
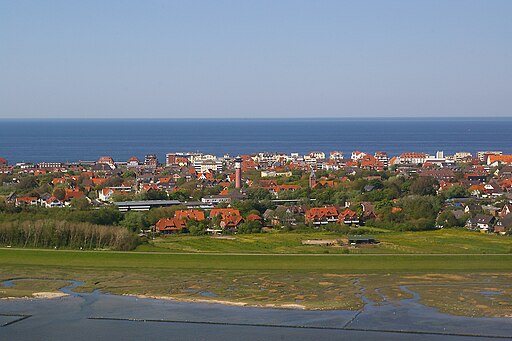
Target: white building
482,156
357,155
216,199
382,157
439,159
460,156
207,165
336,155
413,158
49,165
317,155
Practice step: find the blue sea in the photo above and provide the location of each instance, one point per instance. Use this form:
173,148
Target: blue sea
73,140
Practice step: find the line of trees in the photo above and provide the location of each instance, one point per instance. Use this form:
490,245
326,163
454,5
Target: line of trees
64,234
102,216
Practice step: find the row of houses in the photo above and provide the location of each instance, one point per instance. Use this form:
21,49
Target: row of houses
228,219
488,218
264,160
489,224
220,220
46,200
331,214
318,216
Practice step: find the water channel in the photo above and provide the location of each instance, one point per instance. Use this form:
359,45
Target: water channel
97,316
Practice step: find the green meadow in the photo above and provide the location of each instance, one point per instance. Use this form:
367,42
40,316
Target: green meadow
447,241
132,261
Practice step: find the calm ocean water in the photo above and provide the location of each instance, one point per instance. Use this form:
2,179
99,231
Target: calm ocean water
73,140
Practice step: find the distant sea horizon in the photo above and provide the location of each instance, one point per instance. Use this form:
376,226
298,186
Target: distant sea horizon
69,140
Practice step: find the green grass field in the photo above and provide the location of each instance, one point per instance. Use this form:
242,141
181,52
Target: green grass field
441,241
193,262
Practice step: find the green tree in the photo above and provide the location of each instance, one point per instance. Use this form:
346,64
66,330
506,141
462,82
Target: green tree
419,212
179,195
113,181
258,194
156,214
129,174
135,221
27,183
80,203
447,219
197,228
416,207
59,193
250,227
154,195
103,216
424,185
455,192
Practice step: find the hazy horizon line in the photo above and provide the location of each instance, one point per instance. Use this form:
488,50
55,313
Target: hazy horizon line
252,118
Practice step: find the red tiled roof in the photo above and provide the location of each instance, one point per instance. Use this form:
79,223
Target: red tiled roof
253,217
26,199
206,175
224,212
316,213
150,187
71,194
444,185
52,199
230,221
286,188
189,214
326,183
369,161
107,190
480,188
170,224
506,183
57,181
347,213
98,181
500,158
106,159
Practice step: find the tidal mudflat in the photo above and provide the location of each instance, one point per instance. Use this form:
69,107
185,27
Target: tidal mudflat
86,316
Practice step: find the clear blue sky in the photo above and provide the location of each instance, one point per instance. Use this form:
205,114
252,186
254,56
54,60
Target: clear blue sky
255,58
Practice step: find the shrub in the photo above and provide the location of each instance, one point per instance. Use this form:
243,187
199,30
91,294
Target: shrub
64,234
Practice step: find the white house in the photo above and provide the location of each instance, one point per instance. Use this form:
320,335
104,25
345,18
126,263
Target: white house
53,202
